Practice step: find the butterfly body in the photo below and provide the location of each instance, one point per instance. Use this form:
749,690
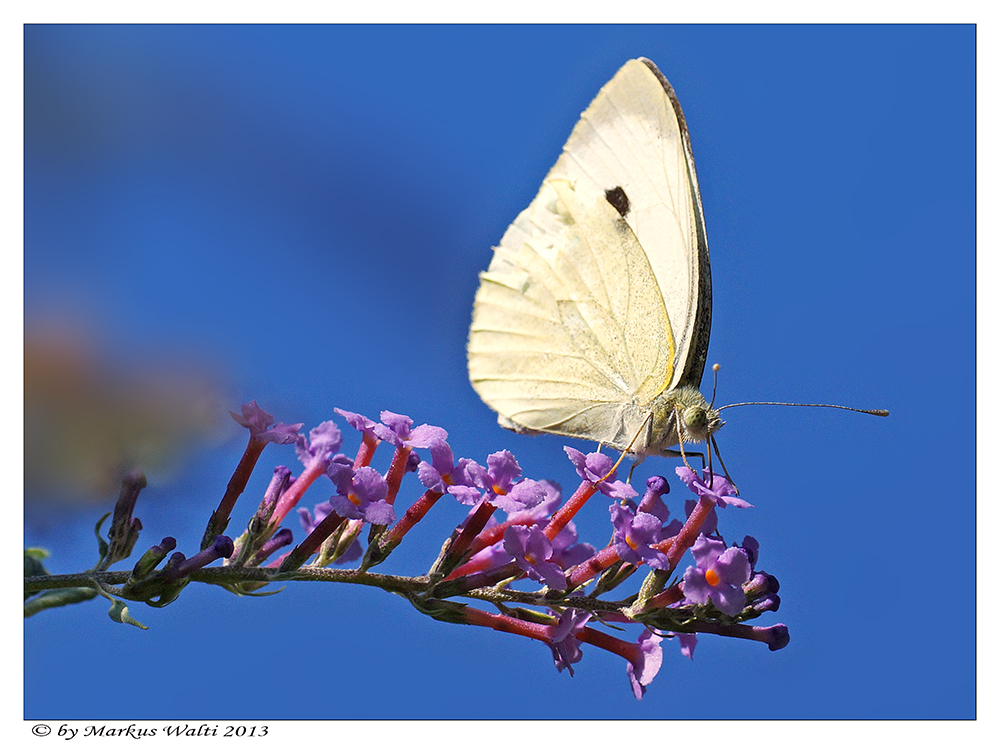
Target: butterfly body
593,318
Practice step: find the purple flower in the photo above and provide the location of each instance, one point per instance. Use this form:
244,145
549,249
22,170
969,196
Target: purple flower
719,575
322,444
634,536
722,492
646,662
258,421
549,503
565,646
498,481
594,467
396,429
751,547
567,552
688,641
532,551
309,519
364,498
340,470
652,501
357,421
442,475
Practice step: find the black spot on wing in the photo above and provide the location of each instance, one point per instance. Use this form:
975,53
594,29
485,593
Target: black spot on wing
617,199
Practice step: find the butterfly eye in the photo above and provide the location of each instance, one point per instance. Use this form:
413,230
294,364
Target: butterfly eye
695,418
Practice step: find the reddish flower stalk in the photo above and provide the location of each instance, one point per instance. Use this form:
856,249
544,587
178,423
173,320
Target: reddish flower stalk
367,449
466,584
775,636
690,531
668,596
479,561
626,649
495,534
291,497
664,545
237,484
562,517
413,515
472,529
590,568
397,469
506,624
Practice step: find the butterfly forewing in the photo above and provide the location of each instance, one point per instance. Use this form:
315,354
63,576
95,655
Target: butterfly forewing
590,306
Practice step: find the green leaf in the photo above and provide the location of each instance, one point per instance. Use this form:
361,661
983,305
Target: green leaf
57,598
102,544
119,613
119,610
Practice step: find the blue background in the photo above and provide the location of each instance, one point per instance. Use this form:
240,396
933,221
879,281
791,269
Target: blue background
311,205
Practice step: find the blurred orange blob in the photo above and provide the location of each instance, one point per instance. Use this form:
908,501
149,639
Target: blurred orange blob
90,416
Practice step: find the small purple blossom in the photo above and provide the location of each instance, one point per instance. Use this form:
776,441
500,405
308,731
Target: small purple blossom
634,536
322,444
722,492
442,475
309,519
688,641
397,429
340,470
719,575
652,501
362,423
532,552
646,664
259,421
567,552
548,505
594,467
498,481
364,498
565,646
751,547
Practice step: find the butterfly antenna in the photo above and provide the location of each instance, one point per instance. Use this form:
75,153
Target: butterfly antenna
715,383
870,411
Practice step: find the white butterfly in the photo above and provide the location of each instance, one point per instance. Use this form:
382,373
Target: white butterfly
594,316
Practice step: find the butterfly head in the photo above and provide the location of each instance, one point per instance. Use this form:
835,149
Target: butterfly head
699,421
